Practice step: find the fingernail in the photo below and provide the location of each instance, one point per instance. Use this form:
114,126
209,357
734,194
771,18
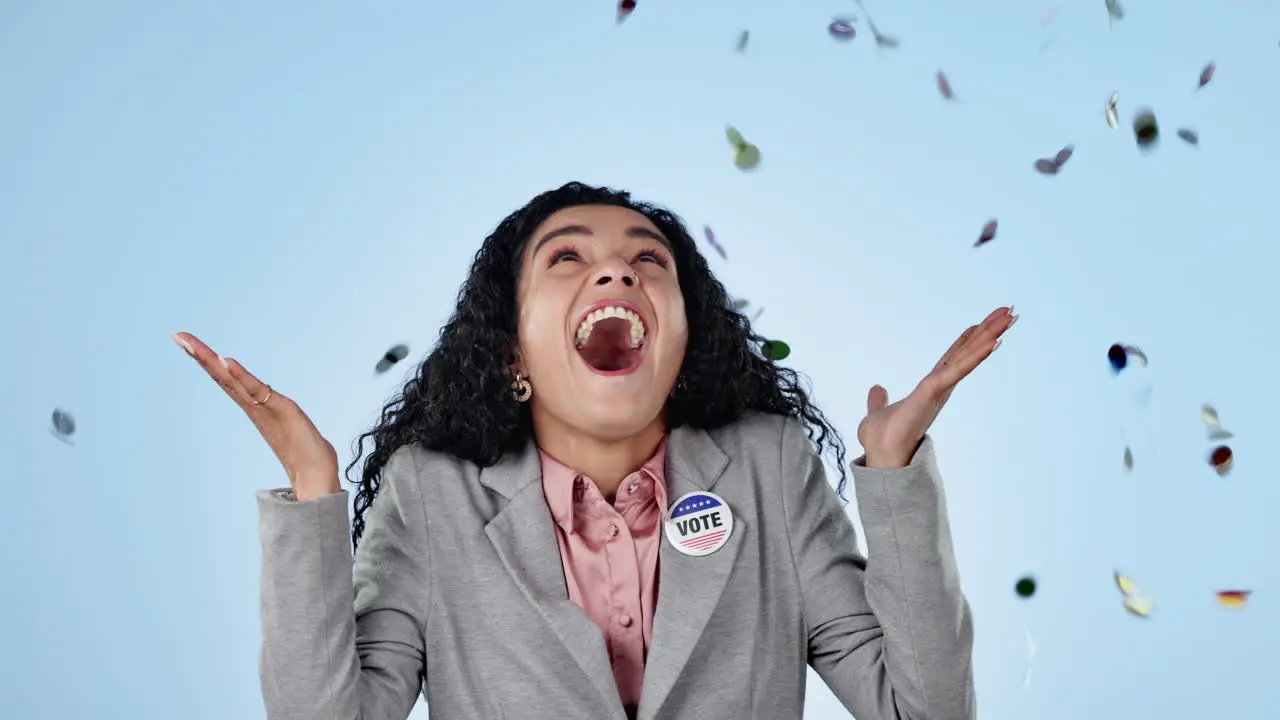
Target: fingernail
224,362
998,344
184,345
1013,321
1011,312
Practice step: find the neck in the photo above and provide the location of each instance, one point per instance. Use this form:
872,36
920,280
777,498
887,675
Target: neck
606,462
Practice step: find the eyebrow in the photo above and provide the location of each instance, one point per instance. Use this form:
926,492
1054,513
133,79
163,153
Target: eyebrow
636,231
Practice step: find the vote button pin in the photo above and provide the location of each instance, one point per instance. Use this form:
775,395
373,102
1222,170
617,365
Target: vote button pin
699,523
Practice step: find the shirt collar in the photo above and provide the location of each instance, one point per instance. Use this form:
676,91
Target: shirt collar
558,484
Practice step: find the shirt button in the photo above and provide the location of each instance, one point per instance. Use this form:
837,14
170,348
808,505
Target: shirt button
624,620
613,530
632,488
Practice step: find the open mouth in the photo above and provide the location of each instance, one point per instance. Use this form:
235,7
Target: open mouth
611,340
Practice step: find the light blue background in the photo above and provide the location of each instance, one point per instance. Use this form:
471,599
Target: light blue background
304,184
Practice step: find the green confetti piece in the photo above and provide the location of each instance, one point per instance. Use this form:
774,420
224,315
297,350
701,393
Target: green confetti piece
775,350
1025,587
735,137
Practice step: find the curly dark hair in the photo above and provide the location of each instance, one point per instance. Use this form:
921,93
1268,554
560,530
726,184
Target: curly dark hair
460,401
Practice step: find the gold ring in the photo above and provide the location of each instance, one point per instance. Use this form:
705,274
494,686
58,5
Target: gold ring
264,400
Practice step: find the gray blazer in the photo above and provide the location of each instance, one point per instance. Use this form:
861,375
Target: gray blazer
459,593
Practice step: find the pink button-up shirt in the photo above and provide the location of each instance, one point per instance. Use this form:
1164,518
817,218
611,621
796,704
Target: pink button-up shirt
610,558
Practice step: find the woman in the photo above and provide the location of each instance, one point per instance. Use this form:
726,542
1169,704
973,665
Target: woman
596,499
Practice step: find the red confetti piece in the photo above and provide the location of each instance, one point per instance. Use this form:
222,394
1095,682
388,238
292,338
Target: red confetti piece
1046,166
711,239
944,86
1207,74
988,233
624,8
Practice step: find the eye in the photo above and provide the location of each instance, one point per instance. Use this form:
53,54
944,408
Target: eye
652,256
566,253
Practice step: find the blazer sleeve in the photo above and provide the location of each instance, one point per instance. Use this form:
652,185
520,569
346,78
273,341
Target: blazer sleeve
892,635
338,644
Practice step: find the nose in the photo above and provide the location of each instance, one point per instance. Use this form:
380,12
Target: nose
614,270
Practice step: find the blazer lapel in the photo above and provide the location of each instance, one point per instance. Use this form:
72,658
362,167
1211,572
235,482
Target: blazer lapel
689,588
524,536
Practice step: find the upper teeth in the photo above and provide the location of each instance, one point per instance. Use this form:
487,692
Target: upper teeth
589,322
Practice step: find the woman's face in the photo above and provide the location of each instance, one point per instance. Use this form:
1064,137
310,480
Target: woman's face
602,327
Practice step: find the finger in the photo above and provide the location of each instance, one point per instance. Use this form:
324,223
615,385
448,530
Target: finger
978,338
955,346
1000,320
966,362
256,390
877,398
212,364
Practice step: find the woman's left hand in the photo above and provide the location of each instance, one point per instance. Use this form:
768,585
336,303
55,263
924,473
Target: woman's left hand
889,433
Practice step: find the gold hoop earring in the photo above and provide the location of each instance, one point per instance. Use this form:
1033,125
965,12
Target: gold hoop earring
521,389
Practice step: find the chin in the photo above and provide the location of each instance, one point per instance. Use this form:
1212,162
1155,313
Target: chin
615,416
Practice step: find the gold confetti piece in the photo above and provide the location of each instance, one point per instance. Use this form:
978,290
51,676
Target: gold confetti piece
1113,115
1138,605
1127,586
1213,424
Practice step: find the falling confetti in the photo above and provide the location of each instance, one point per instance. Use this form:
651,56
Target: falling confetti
745,155
1128,459
1134,602
1118,358
944,86
1209,415
1127,586
1233,599
1025,587
1221,459
390,358
1118,355
1145,129
1138,605
64,426
1114,11
624,9
1207,74
711,240
1051,166
988,233
738,305
775,350
1189,136
1113,116
1135,352
841,29
1213,425
743,39
881,39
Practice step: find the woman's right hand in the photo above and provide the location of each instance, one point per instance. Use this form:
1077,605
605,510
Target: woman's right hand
307,457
